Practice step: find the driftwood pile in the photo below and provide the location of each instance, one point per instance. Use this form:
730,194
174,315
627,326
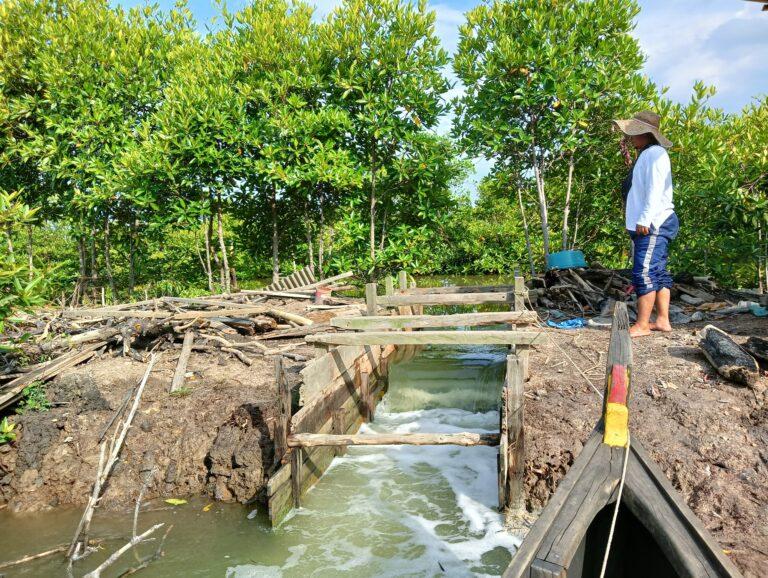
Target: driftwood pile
229,324
593,291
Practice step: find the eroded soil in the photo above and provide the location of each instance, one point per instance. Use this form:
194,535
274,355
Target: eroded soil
709,436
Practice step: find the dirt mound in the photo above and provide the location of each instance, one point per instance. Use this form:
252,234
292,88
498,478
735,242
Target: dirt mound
214,438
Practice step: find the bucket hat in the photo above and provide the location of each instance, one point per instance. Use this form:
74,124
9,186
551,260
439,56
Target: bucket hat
641,123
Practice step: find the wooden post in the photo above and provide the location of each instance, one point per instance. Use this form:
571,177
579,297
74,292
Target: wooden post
365,396
389,286
402,280
181,366
618,380
512,442
297,459
370,298
519,294
282,429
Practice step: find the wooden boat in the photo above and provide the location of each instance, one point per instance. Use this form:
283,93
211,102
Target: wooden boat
656,533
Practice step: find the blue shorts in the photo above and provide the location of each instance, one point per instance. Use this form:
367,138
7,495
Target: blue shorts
649,269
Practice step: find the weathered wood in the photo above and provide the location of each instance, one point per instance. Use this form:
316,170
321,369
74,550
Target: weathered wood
402,280
282,427
462,289
382,322
181,367
103,334
430,338
757,347
618,376
365,396
11,391
297,461
515,495
370,299
114,314
295,332
446,299
414,439
730,360
232,311
389,285
282,294
207,302
520,293
323,371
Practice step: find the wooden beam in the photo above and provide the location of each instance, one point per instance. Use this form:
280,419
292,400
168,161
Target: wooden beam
446,299
370,298
460,289
515,434
282,428
425,321
387,439
618,380
430,338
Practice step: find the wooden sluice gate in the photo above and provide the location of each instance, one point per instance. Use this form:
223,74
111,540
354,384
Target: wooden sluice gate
614,514
343,384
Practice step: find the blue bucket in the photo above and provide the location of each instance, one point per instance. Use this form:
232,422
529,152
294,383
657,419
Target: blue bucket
566,260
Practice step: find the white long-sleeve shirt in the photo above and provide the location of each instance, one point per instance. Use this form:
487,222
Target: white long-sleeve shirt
650,198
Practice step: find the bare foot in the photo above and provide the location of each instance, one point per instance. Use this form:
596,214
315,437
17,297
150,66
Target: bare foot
637,331
662,326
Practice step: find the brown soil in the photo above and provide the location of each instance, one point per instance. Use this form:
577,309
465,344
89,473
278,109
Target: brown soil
215,439
709,436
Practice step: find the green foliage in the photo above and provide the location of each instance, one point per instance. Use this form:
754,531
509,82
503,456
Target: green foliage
6,431
33,398
144,157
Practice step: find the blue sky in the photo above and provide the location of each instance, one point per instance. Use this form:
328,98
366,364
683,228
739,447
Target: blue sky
721,42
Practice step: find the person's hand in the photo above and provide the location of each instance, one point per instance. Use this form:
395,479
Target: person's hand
642,230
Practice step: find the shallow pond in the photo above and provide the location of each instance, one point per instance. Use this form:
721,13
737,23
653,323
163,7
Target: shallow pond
378,511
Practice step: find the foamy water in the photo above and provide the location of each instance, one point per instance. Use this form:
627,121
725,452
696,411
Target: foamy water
409,510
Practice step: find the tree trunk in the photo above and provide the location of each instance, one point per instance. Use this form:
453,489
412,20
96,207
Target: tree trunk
576,227
223,247
212,253
132,256
567,208
383,229
372,233
207,266
30,253
537,171
761,257
275,240
310,248
321,243
107,261
527,233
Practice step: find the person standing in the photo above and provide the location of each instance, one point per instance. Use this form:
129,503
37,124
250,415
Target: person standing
650,220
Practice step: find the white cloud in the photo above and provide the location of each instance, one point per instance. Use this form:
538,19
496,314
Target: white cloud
720,43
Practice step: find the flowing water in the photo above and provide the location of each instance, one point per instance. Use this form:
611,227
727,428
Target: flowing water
378,511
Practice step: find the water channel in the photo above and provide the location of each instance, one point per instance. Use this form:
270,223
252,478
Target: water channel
378,511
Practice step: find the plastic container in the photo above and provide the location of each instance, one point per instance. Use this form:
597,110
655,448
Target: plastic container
566,260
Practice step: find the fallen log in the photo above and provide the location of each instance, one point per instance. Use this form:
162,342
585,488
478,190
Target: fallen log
758,347
730,359
68,341
309,440
280,314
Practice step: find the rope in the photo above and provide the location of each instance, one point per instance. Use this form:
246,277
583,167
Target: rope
584,375
616,509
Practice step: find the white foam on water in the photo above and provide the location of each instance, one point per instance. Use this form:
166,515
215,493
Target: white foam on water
405,510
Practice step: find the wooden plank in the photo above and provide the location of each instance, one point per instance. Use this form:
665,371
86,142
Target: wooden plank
460,289
181,367
234,312
205,302
11,390
430,338
414,439
323,371
446,299
527,551
114,314
688,546
515,435
282,427
370,299
381,322
282,294
618,380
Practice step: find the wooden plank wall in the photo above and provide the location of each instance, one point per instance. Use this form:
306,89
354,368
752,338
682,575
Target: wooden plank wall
343,387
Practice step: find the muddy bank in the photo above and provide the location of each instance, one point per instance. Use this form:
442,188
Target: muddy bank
709,436
214,439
